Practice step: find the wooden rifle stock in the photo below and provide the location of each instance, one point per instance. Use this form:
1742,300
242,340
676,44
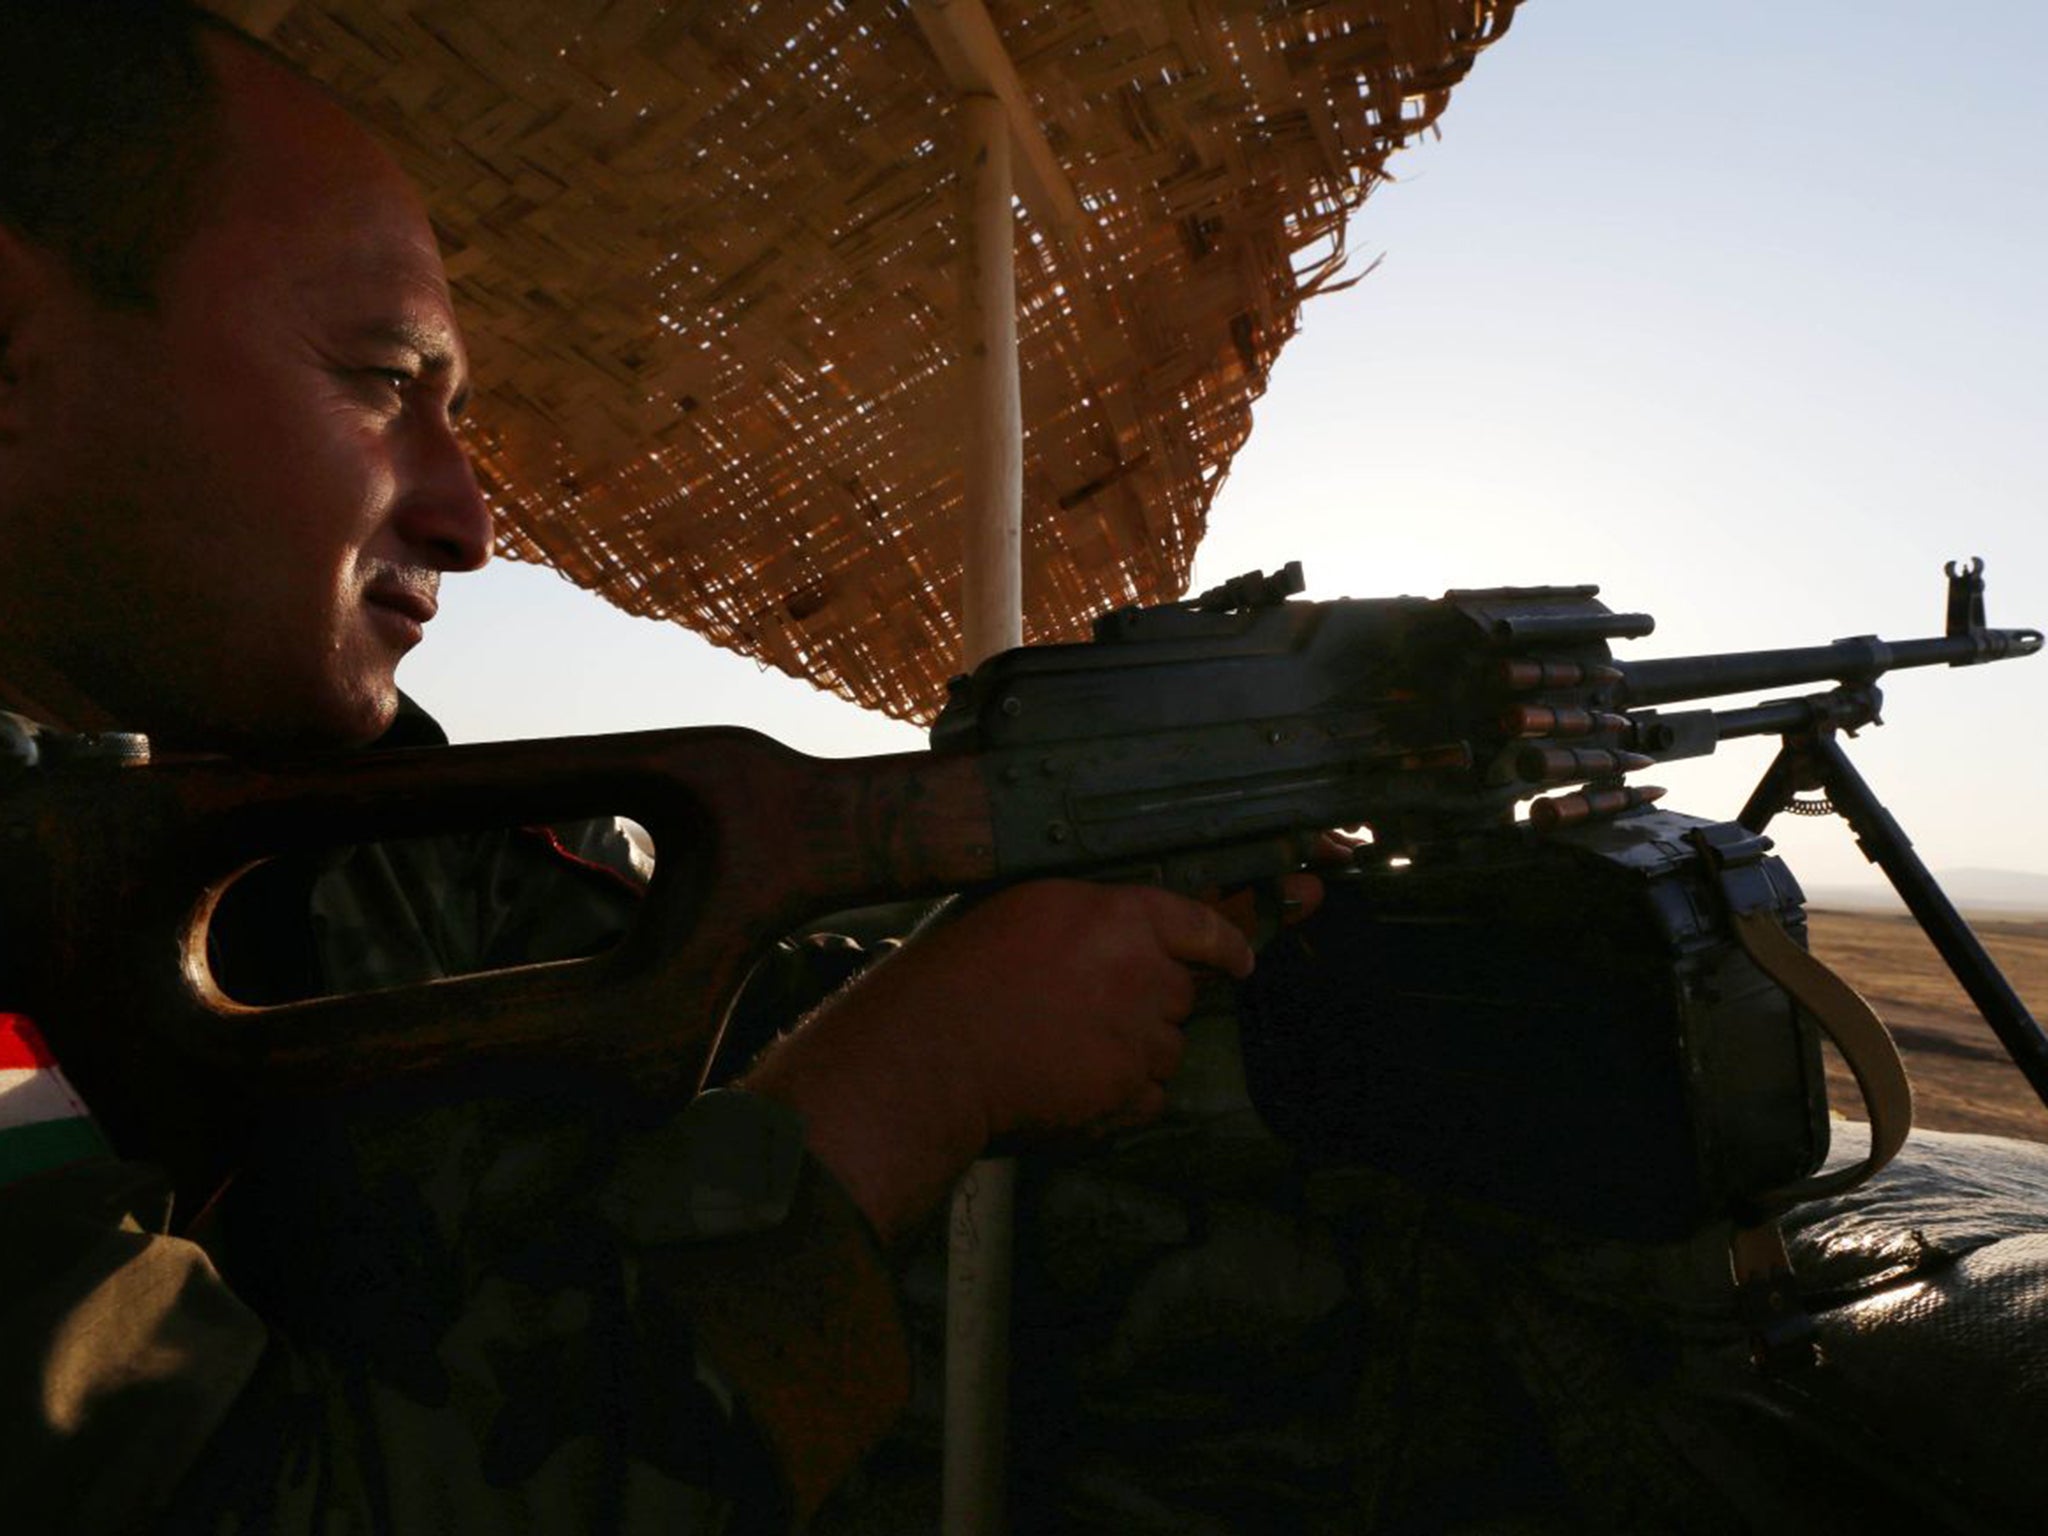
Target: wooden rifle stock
111,874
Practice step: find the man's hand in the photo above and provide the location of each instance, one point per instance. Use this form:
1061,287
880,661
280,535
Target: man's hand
1053,1007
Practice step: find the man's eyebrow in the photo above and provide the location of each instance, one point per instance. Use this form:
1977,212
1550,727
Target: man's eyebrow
433,344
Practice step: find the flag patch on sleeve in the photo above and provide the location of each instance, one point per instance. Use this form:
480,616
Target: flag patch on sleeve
43,1122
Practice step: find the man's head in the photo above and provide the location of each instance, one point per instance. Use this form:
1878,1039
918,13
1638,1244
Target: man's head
228,473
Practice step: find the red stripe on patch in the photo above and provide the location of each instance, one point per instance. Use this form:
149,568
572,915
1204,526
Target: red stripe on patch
21,1043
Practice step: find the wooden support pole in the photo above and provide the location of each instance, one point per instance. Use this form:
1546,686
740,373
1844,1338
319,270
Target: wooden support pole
992,599
979,1242
992,619
971,55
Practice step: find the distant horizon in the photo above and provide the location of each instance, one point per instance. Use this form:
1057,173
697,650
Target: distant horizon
1983,890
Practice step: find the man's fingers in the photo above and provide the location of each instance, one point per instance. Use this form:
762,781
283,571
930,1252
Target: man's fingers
1197,934
1149,1105
1143,1107
1250,909
1174,992
1336,848
1162,1048
1300,895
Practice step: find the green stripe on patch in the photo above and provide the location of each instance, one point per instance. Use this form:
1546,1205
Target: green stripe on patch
30,1149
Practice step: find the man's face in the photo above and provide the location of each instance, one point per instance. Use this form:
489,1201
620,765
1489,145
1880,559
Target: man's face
238,506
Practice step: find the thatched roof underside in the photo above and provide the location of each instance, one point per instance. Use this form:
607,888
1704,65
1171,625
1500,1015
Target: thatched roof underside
706,255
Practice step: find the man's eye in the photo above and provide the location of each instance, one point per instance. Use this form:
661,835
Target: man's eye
387,386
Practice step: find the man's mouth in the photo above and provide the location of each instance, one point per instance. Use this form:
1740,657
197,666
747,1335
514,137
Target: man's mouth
409,594
403,601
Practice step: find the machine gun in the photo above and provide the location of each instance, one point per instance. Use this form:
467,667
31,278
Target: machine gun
1573,1014
1201,744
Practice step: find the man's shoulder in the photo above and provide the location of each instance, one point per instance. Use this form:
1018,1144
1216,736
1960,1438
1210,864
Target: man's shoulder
120,1348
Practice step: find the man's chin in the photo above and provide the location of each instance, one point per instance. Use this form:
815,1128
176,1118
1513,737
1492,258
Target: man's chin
363,720
315,721
233,707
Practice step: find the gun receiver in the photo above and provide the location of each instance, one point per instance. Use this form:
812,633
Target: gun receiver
1200,743
1186,730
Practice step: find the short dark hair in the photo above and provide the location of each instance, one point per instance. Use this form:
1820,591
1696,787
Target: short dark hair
108,121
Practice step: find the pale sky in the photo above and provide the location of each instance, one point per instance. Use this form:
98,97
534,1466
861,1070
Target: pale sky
1735,309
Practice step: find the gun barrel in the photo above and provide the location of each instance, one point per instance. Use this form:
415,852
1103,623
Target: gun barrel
1860,660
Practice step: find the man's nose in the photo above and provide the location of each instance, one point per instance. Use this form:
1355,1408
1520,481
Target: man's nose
441,514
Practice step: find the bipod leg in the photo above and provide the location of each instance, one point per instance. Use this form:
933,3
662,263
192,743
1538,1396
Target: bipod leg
1788,774
1886,845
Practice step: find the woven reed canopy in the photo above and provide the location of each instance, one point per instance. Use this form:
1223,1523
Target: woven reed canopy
707,256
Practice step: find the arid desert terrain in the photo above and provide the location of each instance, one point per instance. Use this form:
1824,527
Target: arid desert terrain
1962,1077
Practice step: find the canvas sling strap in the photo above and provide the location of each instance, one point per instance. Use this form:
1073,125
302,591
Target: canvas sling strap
1781,1333
1866,1045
